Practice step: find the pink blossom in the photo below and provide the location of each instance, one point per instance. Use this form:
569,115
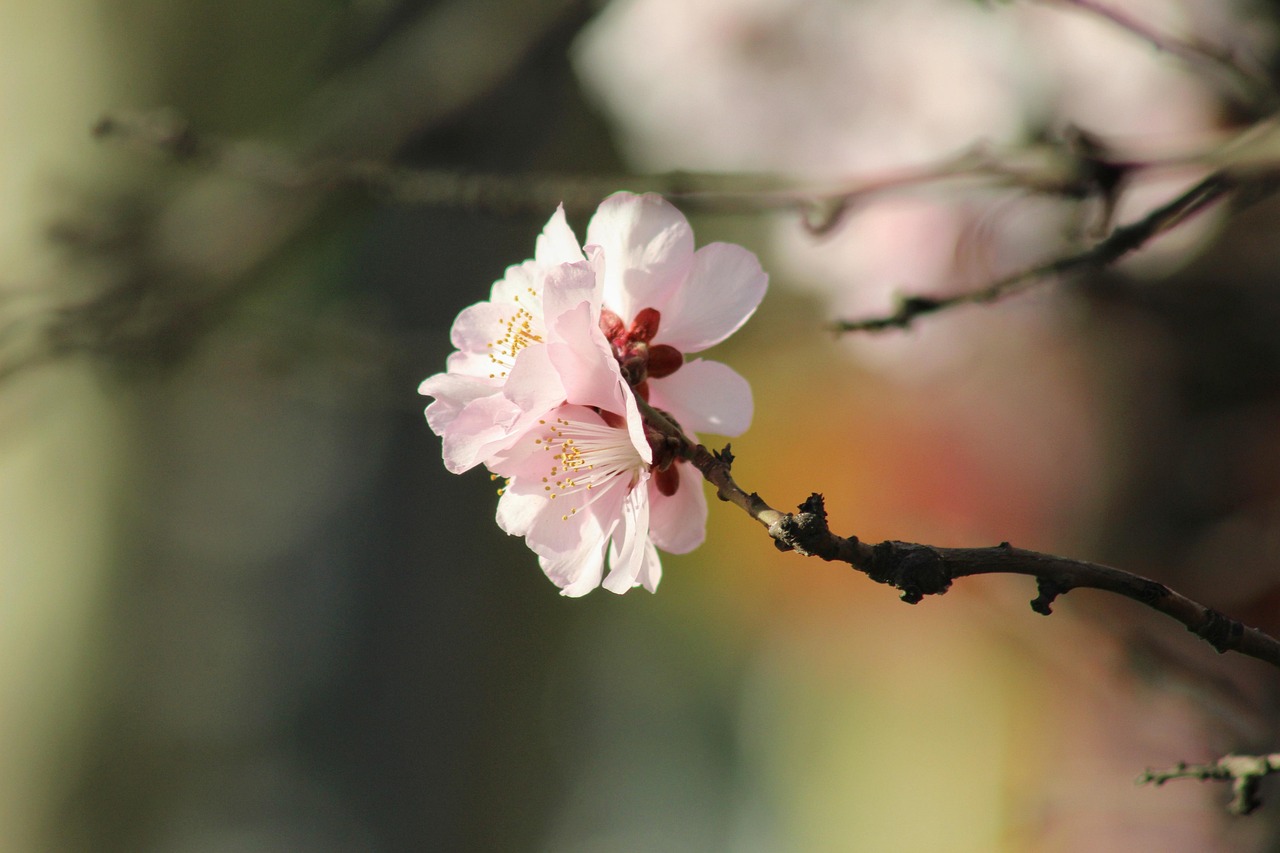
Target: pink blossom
580,486
542,389
660,300
832,91
501,375
584,480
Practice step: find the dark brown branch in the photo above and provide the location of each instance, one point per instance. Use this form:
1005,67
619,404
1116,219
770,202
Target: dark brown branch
1117,244
1244,771
918,570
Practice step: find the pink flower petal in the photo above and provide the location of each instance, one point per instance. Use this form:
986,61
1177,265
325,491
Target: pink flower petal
577,572
533,384
571,550
723,290
483,427
517,511
705,396
648,249
474,329
630,543
651,570
565,287
678,524
589,372
515,285
452,392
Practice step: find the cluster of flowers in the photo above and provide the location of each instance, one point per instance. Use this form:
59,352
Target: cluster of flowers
543,389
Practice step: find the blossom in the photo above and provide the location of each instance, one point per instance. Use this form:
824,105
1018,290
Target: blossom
544,384
500,376
580,485
661,300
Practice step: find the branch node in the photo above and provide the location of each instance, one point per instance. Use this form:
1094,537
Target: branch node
724,457
1245,797
910,307
815,504
805,532
915,570
1048,590
1219,631
1245,772
820,216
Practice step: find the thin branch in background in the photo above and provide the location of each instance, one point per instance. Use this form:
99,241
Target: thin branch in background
1079,167
1067,169
1120,242
1197,52
1245,772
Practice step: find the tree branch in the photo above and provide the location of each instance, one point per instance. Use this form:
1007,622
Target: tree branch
1194,51
1120,242
918,570
1244,771
1065,168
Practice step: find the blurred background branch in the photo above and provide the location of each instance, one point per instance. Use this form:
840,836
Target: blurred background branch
1245,772
1245,72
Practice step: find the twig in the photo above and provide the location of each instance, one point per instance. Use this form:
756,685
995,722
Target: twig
918,570
1244,771
1063,169
1120,242
1193,51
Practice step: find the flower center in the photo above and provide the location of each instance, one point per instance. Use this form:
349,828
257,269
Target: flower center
517,331
639,358
584,455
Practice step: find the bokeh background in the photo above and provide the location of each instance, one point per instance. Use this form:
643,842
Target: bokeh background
244,608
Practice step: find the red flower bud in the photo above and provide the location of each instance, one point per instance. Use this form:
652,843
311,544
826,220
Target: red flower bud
645,325
664,360
611,325
668,480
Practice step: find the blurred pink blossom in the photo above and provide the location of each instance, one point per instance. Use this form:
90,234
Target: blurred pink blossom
827,90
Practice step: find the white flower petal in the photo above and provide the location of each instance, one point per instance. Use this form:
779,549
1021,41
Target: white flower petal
724,288
651,572
627,558
475,327
705,396
452,395
515,284
557,243
455,389
648,249
517,511
577,572
571,551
